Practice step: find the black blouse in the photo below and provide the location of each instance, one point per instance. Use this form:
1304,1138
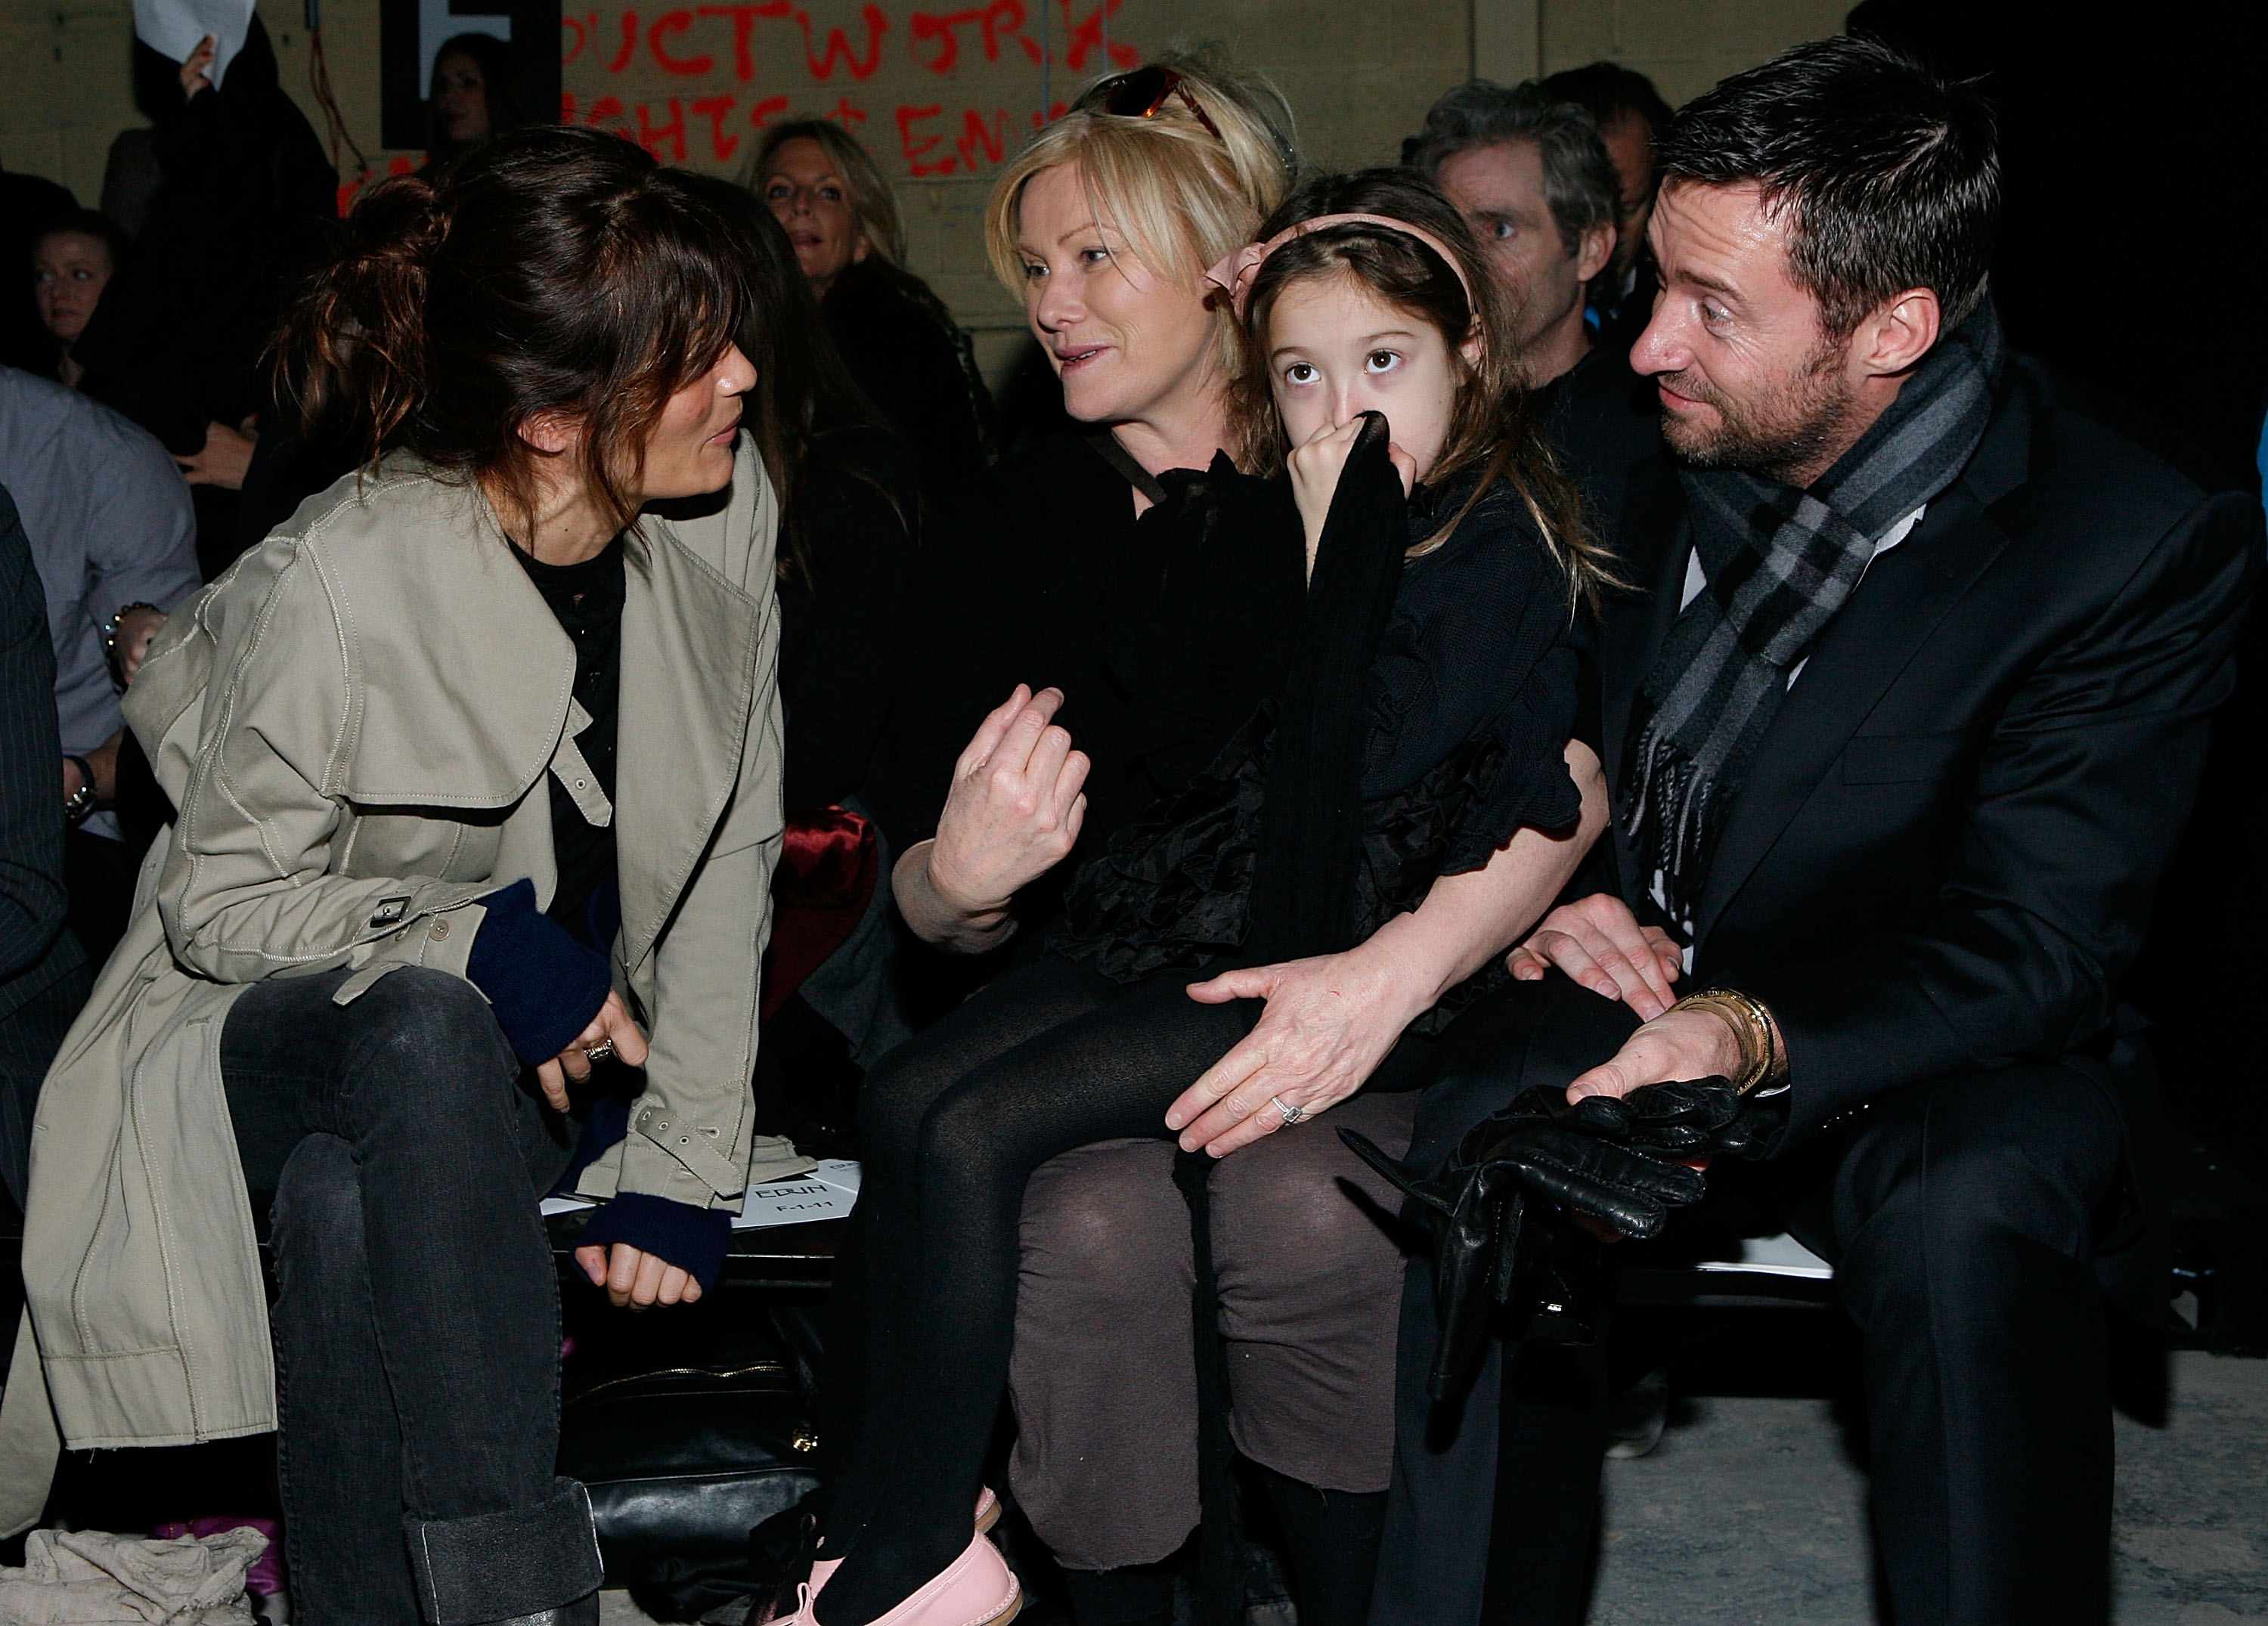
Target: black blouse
1163,634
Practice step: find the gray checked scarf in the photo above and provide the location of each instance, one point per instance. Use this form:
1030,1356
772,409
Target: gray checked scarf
1780,562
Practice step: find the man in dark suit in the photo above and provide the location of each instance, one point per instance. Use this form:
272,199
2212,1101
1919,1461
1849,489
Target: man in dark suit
1901,721
43,974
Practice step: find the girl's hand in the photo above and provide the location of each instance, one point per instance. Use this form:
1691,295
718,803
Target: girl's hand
1330,1022
1015,807
613,1023
1315,467
195,72
636,1280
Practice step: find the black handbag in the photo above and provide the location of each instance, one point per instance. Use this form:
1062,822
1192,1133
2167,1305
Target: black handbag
681,1465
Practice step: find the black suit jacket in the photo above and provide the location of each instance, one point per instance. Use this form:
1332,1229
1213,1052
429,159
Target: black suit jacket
1943,858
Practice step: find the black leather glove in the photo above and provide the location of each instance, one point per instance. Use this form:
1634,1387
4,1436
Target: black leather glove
1695,1118
1500,1208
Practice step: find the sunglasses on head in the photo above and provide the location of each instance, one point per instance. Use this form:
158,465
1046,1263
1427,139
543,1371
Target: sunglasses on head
1139,94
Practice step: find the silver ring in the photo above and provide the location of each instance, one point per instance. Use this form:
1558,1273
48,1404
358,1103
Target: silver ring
602,1051
1290,1114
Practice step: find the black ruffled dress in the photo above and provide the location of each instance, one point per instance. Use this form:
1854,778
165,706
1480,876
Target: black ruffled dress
1471,701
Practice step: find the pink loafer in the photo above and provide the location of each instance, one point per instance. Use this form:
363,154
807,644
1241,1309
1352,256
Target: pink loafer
988,1514
976,1589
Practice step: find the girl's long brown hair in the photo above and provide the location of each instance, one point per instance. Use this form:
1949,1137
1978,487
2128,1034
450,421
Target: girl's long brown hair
550,271
1492,428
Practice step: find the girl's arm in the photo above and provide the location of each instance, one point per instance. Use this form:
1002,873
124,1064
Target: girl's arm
1330,1020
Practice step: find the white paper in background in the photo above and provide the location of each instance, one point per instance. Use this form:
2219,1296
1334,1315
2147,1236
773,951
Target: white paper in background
172,28
828,1192
437,26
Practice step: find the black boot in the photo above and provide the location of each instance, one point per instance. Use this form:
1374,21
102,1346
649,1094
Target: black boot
1333,1535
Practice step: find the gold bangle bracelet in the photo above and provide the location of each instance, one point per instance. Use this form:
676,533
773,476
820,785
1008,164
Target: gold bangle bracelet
1752,1026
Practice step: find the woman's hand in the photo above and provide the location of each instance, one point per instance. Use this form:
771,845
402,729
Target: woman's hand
196,72
1316,465
573,1064
1015,810
129,643
225,457
634,1279
1330,1022
1599,943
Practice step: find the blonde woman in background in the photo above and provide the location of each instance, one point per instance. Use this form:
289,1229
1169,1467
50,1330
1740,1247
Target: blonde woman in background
895,336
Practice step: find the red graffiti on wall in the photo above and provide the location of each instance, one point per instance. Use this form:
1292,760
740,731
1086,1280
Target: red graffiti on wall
1003,19
686,40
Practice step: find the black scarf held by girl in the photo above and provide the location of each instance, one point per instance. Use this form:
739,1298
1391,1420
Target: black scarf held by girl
1780,562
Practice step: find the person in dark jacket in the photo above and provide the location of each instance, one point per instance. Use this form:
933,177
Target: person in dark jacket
249,204
1896,813
895,336
29,205
43,972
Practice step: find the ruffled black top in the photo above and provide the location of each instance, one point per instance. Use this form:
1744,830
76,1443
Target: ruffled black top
1472,700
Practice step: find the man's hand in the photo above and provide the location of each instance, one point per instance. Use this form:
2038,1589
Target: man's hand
1669,1049
573,1064
1328,1023
1599,942
1015,807
225,457
636,1280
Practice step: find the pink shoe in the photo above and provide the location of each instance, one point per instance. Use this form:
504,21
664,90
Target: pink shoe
976,1589
988,1514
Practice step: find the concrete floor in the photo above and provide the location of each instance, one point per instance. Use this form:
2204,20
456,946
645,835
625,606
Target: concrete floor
1684,1524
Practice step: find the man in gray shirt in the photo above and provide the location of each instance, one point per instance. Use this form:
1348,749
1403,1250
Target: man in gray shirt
108,517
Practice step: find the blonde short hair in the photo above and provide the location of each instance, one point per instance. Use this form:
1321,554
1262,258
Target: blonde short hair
871,198
1180,196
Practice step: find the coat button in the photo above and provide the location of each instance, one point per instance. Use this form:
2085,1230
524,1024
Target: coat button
440,930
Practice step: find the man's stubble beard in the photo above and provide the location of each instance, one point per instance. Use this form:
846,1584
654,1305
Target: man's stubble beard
1788,433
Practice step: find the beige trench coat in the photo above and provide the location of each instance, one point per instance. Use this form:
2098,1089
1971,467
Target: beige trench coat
356,723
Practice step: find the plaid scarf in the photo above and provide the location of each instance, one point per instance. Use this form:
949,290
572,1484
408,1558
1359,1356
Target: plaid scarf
1779,563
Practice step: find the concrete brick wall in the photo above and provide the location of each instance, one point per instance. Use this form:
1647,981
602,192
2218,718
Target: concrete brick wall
916,81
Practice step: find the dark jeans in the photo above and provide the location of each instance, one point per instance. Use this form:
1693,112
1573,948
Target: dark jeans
30,1035
418,1314
1961,1216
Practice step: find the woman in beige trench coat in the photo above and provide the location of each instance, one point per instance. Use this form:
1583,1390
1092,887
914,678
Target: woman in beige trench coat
478,778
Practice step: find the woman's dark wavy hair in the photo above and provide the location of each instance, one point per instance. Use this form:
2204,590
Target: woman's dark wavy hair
550,271
1492,432
804,403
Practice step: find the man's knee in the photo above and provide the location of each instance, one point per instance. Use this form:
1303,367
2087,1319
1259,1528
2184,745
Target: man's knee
1961,1179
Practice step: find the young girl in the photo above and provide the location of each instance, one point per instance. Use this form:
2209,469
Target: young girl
1404,809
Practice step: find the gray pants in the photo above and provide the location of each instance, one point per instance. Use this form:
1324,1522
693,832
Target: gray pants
1104,1376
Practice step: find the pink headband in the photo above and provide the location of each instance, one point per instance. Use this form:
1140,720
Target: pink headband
1233,275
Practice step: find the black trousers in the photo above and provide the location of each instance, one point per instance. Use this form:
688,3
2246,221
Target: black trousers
416,1319
1962,1216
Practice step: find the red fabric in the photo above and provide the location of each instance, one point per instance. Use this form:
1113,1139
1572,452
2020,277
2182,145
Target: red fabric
826,878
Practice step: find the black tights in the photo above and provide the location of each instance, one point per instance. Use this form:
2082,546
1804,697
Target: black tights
1050,1058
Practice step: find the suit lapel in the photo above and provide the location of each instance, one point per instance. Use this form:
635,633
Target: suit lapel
690,640
1899,603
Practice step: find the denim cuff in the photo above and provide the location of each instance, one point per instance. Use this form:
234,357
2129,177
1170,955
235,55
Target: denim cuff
692,1238
496,1566
543,985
